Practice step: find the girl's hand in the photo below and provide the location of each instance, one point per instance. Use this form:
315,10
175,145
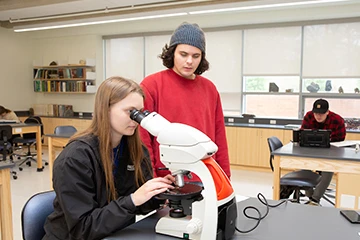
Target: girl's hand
151,188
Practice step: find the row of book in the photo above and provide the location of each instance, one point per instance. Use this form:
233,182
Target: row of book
66,73
56,110
61,86
60,73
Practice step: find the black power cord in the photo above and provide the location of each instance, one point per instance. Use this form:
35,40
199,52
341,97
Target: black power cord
263,200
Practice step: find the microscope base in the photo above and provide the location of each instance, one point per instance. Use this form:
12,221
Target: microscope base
175,227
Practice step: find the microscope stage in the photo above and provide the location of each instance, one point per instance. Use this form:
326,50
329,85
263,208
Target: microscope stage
189,190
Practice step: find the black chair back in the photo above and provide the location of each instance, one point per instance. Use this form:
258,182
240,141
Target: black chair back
274,143
33,119
5,136
65,129
34,214
5,132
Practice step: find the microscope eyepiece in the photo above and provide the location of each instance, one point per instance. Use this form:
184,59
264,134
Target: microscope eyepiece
137,115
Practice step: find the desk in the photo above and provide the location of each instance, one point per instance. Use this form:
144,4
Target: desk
6,228
59,140
290,221
20,128
344,161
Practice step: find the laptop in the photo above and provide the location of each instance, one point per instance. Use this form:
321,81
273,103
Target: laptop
315,138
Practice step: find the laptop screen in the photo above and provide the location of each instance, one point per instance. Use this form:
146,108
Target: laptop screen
315,138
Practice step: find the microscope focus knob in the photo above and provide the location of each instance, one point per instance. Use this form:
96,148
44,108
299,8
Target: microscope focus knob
194,226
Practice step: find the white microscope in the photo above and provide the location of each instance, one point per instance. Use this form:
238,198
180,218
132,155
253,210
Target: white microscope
208,216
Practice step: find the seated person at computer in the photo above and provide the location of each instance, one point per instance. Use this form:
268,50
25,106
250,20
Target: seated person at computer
322,118
7,114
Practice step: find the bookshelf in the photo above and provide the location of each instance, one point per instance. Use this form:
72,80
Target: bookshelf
73,78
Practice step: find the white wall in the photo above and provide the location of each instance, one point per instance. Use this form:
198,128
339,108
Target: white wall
16,90
82,42
70,49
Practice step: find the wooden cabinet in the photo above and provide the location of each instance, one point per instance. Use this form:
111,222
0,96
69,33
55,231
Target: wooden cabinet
249,147
352,136
231,137
263,150
287,136
74,78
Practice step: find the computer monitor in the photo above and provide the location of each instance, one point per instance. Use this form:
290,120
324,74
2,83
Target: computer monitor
315,138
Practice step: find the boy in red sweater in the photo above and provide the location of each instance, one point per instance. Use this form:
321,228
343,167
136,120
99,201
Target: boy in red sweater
181,95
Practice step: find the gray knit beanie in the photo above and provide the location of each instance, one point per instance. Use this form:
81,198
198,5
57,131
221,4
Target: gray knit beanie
190,34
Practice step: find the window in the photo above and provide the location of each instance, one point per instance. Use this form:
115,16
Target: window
331,85
346,108
332,50
125,57
270,72
225,47
279,106
286,84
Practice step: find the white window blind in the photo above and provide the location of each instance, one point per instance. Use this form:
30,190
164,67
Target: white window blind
125,57
332,50
223,51
153,48
272,51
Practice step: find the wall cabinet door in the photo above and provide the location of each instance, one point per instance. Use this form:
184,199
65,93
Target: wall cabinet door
231,137
263,150
352,136
249,147
287,136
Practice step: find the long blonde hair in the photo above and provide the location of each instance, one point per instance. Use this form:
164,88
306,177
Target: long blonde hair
111,91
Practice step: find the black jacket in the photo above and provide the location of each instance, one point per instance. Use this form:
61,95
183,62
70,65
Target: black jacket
81,210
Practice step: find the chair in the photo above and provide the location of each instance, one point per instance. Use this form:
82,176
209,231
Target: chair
298,180
65,129
34,214
29,139
5,145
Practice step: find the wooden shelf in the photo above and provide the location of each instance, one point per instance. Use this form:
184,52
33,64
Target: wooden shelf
63,66
68,92
72,78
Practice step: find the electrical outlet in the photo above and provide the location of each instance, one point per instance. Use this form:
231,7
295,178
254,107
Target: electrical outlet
230,120
272,121
251,120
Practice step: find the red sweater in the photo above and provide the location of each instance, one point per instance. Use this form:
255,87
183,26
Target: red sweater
192,102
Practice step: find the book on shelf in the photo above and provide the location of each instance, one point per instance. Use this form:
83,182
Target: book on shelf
56,110
62,86
64,72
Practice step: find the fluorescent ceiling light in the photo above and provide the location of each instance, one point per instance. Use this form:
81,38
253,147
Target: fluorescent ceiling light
26,29
253,7
275,5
